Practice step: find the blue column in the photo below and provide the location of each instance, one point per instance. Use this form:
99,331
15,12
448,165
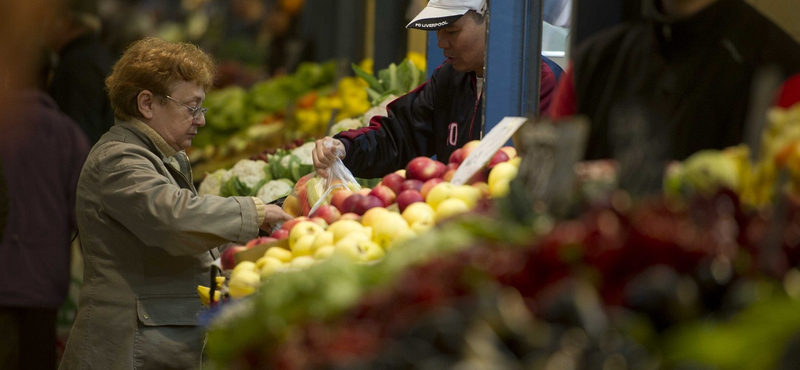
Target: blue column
434,56
512,60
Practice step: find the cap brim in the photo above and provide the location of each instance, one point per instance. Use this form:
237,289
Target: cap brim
433,18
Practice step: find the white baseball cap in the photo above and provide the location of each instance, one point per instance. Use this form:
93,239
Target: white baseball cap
442,13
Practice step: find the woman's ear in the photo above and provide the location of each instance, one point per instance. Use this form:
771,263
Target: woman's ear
144,103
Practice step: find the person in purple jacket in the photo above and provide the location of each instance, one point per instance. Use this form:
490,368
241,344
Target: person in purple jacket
437,117
41,154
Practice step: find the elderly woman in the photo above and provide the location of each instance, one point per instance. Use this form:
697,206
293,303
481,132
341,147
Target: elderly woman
148,238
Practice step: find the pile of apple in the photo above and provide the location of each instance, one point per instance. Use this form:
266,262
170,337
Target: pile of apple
363,225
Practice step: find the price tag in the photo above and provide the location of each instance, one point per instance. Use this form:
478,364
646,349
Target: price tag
488,146
551,151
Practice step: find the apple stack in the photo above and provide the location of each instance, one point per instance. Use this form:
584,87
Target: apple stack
363,225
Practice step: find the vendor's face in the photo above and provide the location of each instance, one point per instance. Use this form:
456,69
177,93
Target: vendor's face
173,121
463,44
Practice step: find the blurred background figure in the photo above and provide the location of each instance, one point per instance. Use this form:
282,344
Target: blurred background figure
83,62
41,155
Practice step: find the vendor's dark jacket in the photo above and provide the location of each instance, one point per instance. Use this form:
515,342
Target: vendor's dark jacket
436,118
686,82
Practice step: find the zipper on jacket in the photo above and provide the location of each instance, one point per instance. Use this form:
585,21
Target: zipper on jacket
474,112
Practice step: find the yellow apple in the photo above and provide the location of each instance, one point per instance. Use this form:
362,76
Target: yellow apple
269,266
502,171
343,227
243,283
324,252
439,193
401,172
302,246
387,226
450,207
244,265
302,262
281,254
499,188
515,161
322,239
368,219
419,211
422,226
303,228
468,193
371,251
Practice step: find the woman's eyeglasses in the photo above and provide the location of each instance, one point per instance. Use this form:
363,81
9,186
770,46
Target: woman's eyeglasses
194,111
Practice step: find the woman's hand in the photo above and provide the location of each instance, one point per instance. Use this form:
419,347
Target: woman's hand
274,215
325,153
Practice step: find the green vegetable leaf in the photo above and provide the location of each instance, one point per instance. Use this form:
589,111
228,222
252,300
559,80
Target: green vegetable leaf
371,80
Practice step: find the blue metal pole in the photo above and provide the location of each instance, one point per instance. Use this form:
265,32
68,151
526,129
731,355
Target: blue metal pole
512,60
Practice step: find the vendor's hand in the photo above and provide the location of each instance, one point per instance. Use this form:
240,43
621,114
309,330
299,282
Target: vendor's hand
274,215
324,154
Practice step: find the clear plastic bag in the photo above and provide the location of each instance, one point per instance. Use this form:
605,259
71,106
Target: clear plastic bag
312,191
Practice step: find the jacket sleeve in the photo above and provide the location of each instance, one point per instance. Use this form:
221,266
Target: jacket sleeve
166,216
390,142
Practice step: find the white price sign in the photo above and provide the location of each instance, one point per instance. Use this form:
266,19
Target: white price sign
490,144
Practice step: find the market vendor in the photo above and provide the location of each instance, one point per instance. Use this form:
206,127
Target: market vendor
437,117
686,70
148,238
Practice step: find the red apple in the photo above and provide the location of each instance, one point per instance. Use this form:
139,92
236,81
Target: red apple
338,197
428,185
480,176
260,240
423,169
288,225
448,175
366,203
412,184
456,157
393,181
384,193
451,166
469,147
226,257
280,234
349,204
440,168
350,216
510,151
328,213
498,157
407,197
